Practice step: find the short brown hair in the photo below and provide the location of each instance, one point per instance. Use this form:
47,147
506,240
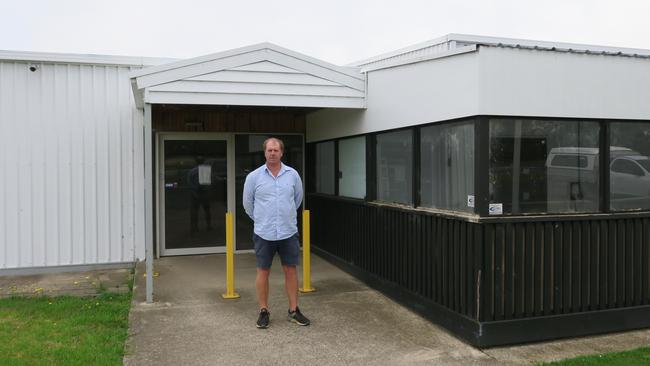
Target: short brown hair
273,139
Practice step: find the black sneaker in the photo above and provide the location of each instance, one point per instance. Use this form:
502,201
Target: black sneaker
263,319
297,317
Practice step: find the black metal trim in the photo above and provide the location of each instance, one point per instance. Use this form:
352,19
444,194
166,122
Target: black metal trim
604,168
564,217
337,171
310,167
371,167
481,165
492,219
417,152
551,118
524,330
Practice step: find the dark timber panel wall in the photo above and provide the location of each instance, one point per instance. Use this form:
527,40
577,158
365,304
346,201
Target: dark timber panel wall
430,256
505,282
562,267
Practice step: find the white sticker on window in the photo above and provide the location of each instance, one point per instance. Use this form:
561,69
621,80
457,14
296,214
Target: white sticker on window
205,172
496,209
470,200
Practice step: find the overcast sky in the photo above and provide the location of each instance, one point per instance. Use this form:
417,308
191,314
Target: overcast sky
338,31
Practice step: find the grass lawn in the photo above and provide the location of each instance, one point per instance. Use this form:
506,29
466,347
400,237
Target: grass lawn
64,330
639,356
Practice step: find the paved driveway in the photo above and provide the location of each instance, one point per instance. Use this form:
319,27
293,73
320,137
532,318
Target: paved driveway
352,324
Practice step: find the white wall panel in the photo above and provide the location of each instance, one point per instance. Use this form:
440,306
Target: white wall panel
4,131
526,82
495,81
71,174
424,92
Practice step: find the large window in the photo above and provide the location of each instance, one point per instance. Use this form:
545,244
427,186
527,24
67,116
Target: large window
352,167
629,168
395,167
325,167
447,166
543,166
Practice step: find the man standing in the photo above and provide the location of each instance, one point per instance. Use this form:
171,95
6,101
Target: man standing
272,195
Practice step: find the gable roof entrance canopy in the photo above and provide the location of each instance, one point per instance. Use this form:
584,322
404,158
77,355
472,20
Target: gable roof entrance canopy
257,75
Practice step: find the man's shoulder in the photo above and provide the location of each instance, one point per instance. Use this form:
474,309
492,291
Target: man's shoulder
255,172
291,170
288,168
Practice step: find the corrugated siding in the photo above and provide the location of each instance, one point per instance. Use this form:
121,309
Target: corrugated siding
71,166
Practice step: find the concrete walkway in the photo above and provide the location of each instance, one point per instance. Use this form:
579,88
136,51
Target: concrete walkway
190,324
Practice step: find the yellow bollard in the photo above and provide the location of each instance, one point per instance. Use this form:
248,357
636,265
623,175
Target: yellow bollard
306,264
230,260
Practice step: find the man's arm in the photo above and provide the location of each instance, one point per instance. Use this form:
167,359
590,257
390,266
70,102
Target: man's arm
248,197
297,192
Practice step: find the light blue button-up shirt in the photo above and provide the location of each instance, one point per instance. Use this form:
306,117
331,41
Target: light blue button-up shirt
272,202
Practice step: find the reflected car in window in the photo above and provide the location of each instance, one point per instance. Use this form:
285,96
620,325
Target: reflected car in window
572,178
630,177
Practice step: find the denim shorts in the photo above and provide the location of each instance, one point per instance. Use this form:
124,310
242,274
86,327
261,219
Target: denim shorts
289,250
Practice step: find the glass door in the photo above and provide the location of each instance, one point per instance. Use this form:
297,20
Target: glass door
194,194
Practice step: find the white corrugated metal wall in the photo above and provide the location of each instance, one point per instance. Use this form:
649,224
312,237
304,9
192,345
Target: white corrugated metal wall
71,165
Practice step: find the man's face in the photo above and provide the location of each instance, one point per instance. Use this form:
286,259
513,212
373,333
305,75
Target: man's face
273,153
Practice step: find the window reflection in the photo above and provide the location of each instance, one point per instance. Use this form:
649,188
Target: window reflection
195,193
629,168
539,166
394,167
447,166
352,167
325,167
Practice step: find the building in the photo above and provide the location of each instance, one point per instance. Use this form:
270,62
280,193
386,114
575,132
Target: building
464,176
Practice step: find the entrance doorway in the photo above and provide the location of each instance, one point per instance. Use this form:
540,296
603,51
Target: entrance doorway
194,192
201,177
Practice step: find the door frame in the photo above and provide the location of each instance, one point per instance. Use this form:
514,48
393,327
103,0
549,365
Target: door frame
161,137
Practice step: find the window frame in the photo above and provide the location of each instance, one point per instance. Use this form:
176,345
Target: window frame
470,121
481,166
415,186
338,167
334,167
603,179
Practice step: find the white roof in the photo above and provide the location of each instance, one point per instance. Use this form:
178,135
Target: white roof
259,75
75,58
459,43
